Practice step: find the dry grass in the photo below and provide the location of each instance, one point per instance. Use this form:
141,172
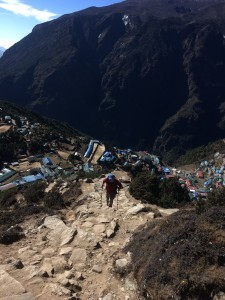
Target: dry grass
181,257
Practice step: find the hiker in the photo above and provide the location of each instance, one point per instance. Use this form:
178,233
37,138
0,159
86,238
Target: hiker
112,185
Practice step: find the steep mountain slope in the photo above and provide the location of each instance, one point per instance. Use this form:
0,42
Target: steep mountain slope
139,73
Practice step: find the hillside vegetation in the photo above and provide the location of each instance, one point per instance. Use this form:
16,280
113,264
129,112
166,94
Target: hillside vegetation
183,256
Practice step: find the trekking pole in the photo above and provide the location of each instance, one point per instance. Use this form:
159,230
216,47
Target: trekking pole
101,197
117,200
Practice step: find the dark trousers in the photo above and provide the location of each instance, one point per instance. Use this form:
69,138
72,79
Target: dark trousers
109,198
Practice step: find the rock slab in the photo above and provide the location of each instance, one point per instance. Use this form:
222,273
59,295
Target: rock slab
9,286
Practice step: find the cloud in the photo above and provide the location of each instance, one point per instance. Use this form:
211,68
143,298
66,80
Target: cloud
19,8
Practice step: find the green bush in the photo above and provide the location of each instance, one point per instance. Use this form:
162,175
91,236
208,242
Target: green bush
7,198
167,194
35,192
145,187
172,194
53,199
200,205
216,198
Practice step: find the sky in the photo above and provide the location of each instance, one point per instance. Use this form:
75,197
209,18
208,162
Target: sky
18,17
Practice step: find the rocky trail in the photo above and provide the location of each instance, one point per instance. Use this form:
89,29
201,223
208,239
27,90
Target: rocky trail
76,254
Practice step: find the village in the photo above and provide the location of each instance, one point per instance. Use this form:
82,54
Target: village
62,157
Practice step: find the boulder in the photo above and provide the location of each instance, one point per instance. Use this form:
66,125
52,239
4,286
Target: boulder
110,233
31,271
114,225
65,251
122,265
52,222
219,296
70,217
79,276
87,224
60,233
78,257
36,259
130,285
165,212
97,269
135,210
65,282
66,275
18,264
109,296
125,179
151,215
11,235
52,289
59,264
99,228
68,236
47,269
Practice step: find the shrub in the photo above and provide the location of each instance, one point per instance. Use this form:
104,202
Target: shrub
180,253
200,205
171,193
216,198
145,187
148,188
53,199
11,235
7,198
35,192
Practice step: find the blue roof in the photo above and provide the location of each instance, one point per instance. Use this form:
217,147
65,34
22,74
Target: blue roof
47,161
32,178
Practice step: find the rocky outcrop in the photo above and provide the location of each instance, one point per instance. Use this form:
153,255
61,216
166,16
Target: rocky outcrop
157,67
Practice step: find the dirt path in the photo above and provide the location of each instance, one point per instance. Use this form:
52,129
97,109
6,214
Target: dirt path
78,256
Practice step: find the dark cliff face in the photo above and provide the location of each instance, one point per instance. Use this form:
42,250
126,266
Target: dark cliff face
139,73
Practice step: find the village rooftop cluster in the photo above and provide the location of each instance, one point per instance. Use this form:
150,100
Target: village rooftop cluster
54,161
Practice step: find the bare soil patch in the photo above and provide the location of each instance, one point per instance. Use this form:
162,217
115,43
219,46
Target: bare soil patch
63,154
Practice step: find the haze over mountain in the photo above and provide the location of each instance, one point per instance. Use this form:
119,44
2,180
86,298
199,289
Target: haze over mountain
2,50
144,73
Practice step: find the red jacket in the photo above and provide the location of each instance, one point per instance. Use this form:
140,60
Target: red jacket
112,186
